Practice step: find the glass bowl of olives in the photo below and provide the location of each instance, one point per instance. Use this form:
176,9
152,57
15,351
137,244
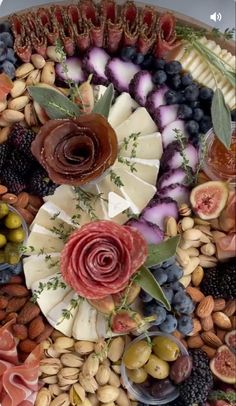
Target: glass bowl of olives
152,367
13,234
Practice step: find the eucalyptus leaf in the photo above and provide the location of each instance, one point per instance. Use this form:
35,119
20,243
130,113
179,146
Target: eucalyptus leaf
56,105
147,282
161,252
221,118
103,105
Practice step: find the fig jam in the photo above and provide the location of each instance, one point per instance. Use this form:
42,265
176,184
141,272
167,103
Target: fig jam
220,162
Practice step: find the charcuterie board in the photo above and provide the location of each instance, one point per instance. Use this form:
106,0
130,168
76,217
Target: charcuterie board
117,202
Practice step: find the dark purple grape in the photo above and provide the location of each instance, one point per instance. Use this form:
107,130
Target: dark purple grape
197,114
205,93
173,67
171,97
184,112
187,79
175,82
191,92
162,388
159,77
192,127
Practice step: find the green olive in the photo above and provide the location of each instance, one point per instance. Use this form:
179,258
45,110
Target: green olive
3,240
2,257
4,209
165,348
17,235
12,257
157,368
13,221
137,354
138,375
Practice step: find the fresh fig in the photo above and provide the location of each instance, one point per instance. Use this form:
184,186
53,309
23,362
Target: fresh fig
223,365
230,340
209,199
105,305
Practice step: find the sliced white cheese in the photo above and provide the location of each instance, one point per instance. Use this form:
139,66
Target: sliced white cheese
55,315
106,186
64,198
50,215
49,297
145,169
40,266
43,241
84,327
99,208
121,109
140,122
149,147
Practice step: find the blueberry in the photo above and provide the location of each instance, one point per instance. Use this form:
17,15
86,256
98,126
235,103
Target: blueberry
159,77
7,38
182,303
9,69
11,55
181,97
150,308
185,324
127,53
177,286
194,104
159,63
3,55
169,325
145,297
191,92
160,314
197,114
5,26
5,276
175,82
171,97
233,115
148,61
138,58
170,261
173,67
205,124
192,127
2,47
186,79
168,292
160,275
205,93
184,112
174,273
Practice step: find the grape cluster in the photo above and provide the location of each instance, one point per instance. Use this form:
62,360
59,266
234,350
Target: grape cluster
7,55
167,275
7,271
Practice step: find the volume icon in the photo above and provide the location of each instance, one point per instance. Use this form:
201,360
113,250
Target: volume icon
216,16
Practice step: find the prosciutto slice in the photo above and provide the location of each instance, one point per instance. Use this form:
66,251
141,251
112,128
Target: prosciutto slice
130,16
166,37
147,24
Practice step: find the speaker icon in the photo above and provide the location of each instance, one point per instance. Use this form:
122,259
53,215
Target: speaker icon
216,16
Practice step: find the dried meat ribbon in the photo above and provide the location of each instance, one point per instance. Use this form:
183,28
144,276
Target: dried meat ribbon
18,382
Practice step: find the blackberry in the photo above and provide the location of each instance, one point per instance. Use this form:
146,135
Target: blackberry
40,184
22,138
197,387
20,162
12,180
4,149
220,282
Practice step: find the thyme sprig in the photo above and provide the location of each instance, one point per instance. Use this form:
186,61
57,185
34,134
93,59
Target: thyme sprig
67,313
53,283
132,140
62,56
115,178
61,232
85,201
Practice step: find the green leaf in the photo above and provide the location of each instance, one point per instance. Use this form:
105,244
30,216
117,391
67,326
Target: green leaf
161,252
56,105
146,280
103,105
221,118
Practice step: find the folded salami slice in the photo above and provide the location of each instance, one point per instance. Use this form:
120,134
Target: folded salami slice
22,44
166,37
130,17
148,29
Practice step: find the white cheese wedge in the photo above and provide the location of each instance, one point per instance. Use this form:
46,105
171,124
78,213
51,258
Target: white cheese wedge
149,147
43,241
84,327
145,169
99,208
55,315
140,122
49,297
50,215
121,109
40,266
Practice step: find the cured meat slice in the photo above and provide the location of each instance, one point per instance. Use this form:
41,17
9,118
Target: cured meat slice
50,28
147,25
166,37
8,351
96,22
114,27
22,44
130,17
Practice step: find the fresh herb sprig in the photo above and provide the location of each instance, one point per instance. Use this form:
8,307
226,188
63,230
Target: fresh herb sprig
53,283
115,178
221,395
85,202
73,87
67,314
61,232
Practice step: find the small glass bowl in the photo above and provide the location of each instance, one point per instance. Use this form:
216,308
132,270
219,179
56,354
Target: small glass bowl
139,392
12,209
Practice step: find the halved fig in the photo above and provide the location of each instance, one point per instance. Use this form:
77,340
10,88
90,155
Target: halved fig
209,199
223,365
230,340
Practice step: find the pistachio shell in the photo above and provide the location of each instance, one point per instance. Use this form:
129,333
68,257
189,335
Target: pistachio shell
43,397
53,54
77,394
48,73
18,89
61,400
12,116
63,343
122,399
116,349
114,379
90,366
33,78
50,366
103,374
18,103
3,105
84,347
54,389
38,61
72,360
89,384
107,393
24,70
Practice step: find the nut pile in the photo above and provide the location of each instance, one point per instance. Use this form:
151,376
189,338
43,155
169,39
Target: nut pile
82,372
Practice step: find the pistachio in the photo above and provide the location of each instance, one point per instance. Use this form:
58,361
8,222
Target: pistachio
30,115
18,103
4,133
54,389
102,375
50,366
116,369
61,400
12,116
192,235
171,227
77,394
53,54
197,276
40,113
33,78
24,70
43,397
72,360
207,262
184,210
68,376
90,366
187,223
101,350
46,344
18,89
107,393
116,349
193,263
205,229
208,249
84,347
205,239
38,61
89,384
63,343
3,105
55,334
86,402
52,379
122,399
48,73
93,399
51,352
192,252
182,257
3,123
114,379
201,222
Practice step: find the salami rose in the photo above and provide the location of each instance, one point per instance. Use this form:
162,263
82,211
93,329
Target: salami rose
100,258
74,152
